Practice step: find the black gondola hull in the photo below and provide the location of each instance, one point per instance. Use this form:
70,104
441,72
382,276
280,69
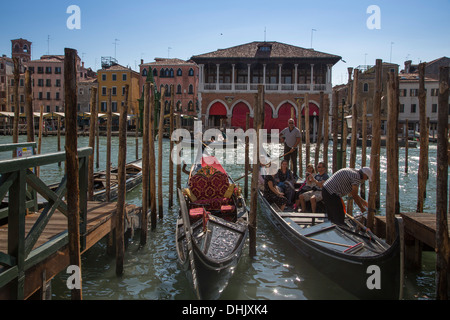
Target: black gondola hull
371,277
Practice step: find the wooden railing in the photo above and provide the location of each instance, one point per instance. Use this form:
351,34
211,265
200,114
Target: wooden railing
31,202
16,177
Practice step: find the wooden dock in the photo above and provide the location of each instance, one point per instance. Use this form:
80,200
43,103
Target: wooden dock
100,222
420,233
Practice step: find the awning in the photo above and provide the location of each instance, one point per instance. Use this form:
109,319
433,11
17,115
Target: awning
217,109
54,115
6,114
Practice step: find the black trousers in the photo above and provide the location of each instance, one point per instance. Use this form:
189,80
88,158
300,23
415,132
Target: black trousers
291,157
333,206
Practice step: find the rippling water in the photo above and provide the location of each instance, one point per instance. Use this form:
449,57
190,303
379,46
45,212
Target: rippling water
277,272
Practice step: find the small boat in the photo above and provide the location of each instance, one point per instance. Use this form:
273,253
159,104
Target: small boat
133,173
211,229
350,255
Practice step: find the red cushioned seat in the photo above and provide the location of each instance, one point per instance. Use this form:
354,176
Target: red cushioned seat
209,186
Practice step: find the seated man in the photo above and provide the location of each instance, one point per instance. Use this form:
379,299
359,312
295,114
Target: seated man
314,195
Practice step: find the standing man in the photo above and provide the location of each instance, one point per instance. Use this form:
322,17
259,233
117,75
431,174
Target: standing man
291,137
343,182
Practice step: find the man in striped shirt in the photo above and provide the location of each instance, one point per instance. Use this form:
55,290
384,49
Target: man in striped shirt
343,182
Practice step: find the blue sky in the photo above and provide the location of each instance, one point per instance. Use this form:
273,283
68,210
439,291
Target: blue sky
415,30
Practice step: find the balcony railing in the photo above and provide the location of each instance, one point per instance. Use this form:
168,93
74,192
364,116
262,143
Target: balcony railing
253,87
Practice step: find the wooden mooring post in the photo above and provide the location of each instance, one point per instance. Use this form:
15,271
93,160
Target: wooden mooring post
354,110
422,175
179,164
319,130
145,164
121,192
108,147
442,238
374,185
406,146
16,73
334,125
73,206
307,137
364,145
92,127
391,150
29,107
171,144
152,157
300,145
160,154
247,151
259,107
326,127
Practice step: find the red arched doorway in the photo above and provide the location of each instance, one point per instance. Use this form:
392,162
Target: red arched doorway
216,112
238,118
284,114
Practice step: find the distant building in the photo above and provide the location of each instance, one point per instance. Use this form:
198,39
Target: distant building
84,88
366,90
229,79
6,70
409,93
114,77
21,49
183,75
431,68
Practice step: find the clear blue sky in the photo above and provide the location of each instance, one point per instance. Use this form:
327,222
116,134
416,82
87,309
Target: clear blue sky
415,30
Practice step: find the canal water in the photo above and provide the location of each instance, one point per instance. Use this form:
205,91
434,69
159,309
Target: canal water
275,273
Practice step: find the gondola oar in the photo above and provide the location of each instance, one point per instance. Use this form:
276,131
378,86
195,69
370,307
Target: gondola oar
363,227
188,233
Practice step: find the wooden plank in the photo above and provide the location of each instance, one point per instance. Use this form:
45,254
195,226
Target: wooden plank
302,215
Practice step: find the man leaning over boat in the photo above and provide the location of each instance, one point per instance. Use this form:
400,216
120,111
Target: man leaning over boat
343,182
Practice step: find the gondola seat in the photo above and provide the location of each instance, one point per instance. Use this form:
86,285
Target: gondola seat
209,187
197,213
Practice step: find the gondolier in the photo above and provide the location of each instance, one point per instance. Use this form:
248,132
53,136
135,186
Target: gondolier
343,182
291,137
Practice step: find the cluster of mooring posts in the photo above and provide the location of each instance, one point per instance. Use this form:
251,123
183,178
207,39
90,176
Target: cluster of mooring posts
26,267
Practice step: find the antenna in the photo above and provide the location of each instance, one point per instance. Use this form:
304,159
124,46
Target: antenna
168,52
264,34
48,44
115,47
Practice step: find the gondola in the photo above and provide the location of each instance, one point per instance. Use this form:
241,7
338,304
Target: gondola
349,254
211,229
133,173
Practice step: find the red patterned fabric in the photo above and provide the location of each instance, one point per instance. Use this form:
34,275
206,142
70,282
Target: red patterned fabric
209,189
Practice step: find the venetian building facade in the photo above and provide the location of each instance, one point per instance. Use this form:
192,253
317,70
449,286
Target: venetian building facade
229,79
183,75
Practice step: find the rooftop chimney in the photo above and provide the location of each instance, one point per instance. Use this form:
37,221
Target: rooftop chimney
408,66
